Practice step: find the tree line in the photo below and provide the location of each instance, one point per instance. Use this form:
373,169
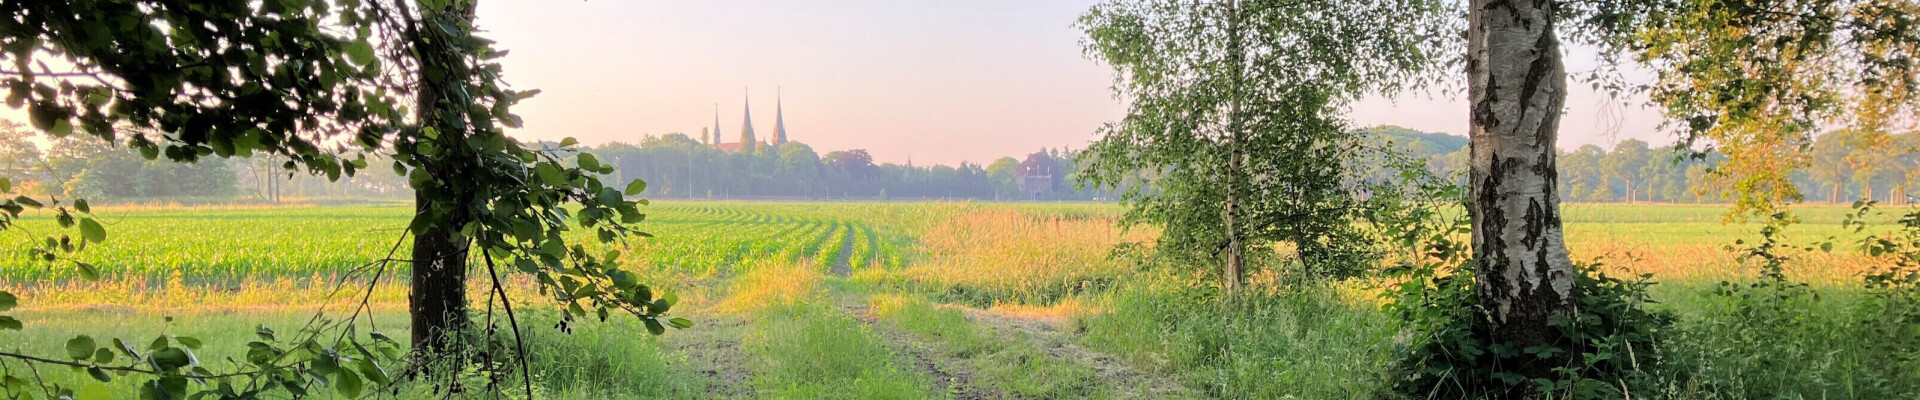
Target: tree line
675,165
1840,166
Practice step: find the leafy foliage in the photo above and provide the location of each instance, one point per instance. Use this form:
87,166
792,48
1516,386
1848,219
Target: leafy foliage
321,83
1615,334
1755,80
1233,136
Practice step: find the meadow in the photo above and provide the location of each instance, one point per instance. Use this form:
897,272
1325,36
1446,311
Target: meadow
932,300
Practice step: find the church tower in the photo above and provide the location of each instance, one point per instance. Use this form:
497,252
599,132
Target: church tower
779,121
716,125
747,142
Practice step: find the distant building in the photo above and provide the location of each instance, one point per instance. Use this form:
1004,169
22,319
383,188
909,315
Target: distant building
779,121
1039,174
716,125
747,140
748,143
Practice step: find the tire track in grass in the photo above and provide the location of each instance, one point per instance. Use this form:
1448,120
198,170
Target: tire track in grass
1123,381
947,376
843,262
712,348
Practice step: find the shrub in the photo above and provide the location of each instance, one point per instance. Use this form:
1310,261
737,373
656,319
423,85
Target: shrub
1451,355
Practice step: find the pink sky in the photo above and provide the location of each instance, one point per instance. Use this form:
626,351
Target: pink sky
941,82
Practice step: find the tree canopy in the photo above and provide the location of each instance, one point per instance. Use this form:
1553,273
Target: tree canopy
322,84
1227,101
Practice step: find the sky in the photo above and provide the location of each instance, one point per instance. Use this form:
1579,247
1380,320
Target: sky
937,82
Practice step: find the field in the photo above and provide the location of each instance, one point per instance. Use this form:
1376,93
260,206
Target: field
915,300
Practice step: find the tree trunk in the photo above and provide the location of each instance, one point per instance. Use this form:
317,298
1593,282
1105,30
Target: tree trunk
1630,191
1235,57
1517,86
438,301
1835,198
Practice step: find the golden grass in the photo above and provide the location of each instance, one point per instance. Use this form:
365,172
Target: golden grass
1015,251
770,285
1703,263
137,294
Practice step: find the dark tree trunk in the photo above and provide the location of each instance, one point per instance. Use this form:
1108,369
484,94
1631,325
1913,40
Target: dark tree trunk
438,303
1517,86
1235,268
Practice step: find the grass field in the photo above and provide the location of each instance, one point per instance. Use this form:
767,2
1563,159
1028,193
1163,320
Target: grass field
913,300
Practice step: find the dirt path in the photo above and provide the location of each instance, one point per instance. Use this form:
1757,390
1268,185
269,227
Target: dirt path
1124,382
712,347
948,376
843,262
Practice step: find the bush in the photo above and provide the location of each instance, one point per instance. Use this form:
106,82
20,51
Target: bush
1451,356
1781,339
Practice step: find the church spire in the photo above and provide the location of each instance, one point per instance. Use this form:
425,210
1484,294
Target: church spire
747,141
716,125
779,120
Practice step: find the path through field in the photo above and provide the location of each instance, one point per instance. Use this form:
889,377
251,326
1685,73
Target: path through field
722,347
713,349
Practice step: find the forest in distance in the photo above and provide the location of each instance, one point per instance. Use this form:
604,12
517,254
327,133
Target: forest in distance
345,199
1846,166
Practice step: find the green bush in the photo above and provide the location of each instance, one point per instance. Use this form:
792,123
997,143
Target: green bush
1774,338
1616,334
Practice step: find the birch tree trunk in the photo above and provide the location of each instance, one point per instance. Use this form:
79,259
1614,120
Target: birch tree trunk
1517,86
1236,57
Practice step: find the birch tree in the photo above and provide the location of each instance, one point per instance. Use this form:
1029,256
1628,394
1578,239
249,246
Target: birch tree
1236,117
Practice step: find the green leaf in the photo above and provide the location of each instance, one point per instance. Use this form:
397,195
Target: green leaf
588,161
8,323
80,204
372,371
7,301
87,271
92,231
549,174
61,128
634,188
102,356
171,358
80,347
126,348
348,384
189,341
681,323
99,375
653,327
360,52
5,185
568,142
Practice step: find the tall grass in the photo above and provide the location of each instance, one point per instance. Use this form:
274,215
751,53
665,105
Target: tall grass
990,256
1309,343
801,347
1015,367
